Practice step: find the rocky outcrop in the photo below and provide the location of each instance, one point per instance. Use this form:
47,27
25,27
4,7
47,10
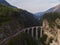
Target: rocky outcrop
53,33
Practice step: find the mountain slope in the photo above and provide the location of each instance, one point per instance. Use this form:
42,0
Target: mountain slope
52,18
39,14
52,14
53,9
5,2
13,20
51,28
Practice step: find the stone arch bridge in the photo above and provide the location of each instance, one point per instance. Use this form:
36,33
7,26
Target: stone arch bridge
35,32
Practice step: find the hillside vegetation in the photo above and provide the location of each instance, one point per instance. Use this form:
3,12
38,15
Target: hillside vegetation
52,18
22,39
12,20
23,17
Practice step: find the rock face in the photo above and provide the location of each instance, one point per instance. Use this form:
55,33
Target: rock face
51,28
50,32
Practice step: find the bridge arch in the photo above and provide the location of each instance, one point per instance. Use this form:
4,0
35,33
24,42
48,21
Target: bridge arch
35,31
29,30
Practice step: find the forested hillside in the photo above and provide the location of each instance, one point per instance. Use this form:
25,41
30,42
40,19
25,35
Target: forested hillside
12,20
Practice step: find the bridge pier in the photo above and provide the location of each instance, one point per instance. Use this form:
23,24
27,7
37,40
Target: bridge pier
28,30
37,33
41,32
32,31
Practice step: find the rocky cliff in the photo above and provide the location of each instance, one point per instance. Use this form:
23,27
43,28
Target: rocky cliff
51,28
